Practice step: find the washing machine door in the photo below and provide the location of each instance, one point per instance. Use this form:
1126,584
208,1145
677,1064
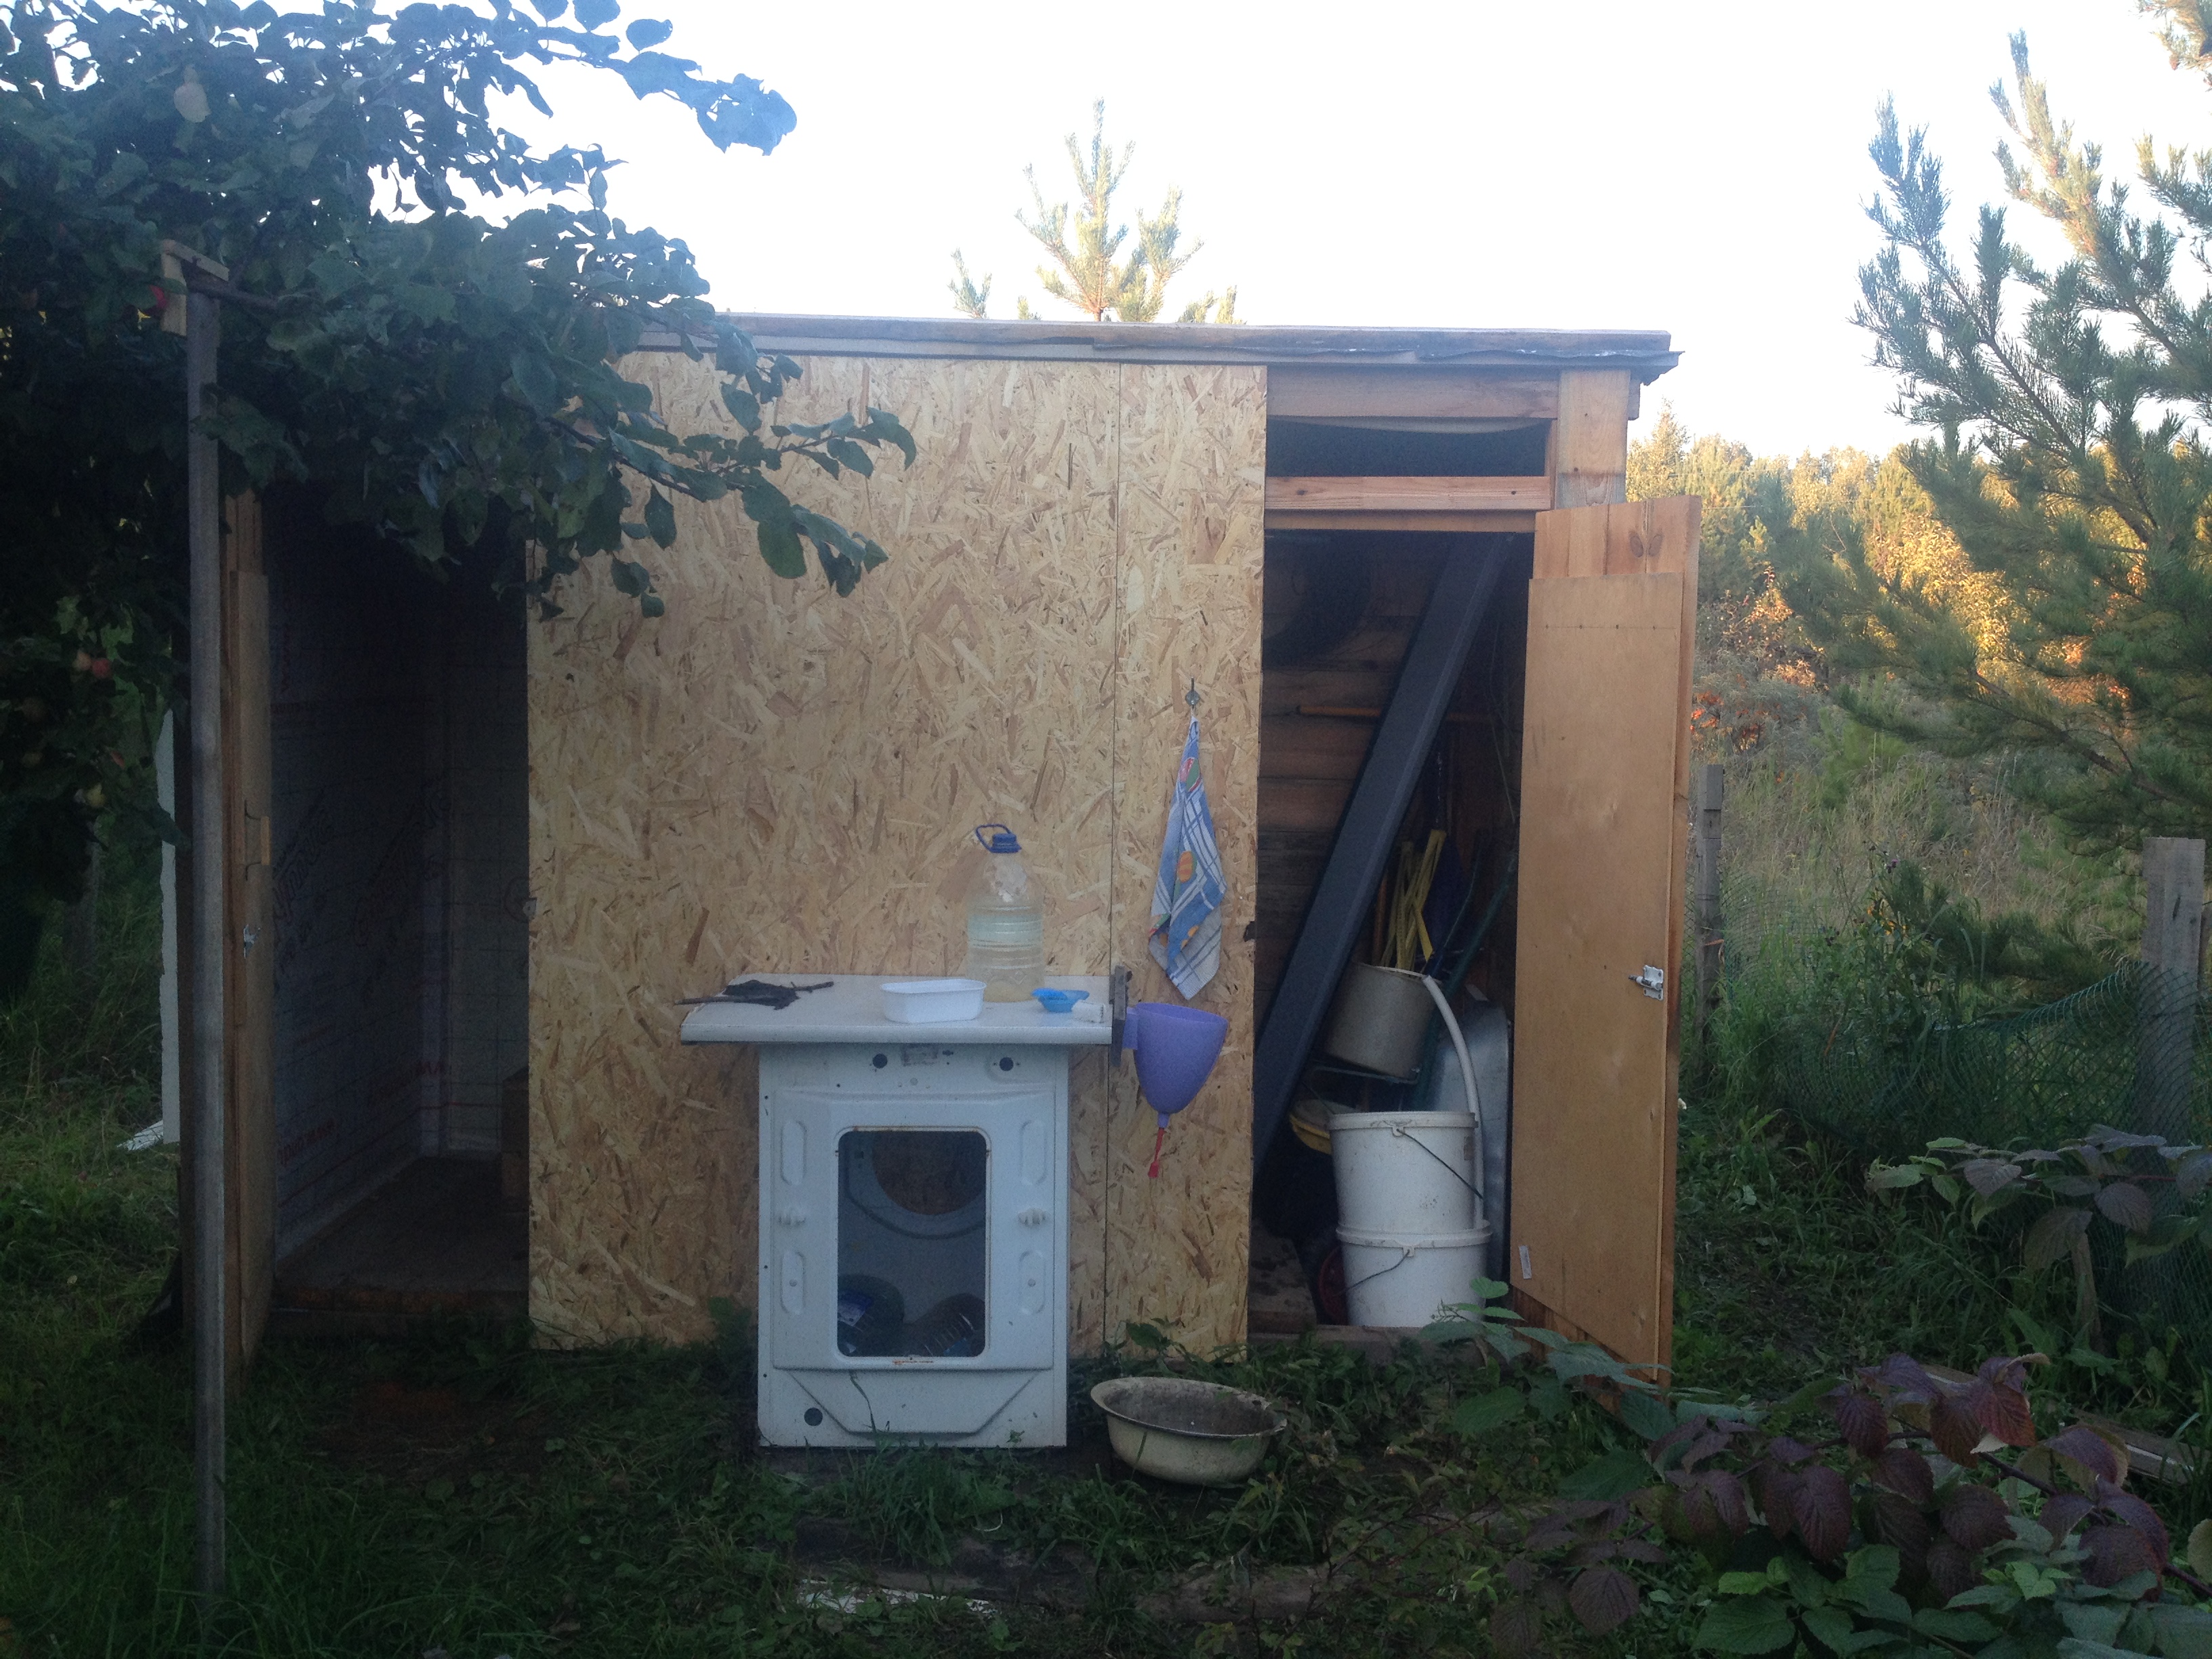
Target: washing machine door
944,1210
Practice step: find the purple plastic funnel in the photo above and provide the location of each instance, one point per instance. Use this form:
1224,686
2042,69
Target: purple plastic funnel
1175,1048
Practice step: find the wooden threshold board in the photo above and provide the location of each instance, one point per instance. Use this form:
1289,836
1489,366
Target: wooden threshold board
1519,495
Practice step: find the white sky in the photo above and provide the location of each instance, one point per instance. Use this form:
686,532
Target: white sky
1699,167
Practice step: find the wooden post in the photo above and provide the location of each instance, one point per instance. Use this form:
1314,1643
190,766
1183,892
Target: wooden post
2173,951
198,316
1710,785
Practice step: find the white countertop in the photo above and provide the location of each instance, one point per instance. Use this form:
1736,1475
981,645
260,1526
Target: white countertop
852,1011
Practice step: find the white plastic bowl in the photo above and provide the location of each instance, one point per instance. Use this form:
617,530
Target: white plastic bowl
932,1001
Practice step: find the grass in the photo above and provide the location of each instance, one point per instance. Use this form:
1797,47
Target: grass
464,1490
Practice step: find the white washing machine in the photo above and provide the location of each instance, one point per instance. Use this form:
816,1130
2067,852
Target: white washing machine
913,1218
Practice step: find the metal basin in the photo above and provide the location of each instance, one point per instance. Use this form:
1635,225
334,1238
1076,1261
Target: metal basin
1199,1434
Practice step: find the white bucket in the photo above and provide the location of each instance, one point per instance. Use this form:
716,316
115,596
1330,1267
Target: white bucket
1404,1173
1408,1279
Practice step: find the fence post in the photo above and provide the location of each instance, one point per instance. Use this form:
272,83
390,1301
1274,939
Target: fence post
2173,951
1709,790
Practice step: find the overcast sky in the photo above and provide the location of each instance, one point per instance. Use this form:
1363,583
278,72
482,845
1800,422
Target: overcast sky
1696,167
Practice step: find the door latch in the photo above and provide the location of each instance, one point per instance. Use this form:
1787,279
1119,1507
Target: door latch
1654,981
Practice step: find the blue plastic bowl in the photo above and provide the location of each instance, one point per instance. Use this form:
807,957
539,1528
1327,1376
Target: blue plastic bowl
1057,1001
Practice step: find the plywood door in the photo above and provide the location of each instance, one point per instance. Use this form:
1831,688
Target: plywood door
1604,817
249,979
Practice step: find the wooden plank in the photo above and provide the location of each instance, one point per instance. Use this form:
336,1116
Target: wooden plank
1590,457
1408,495
1316,391
1625,539
1303,803
1192,445
249,984
1604,837
1518,524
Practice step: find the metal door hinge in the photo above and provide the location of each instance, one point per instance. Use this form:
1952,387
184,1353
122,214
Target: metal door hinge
1653,979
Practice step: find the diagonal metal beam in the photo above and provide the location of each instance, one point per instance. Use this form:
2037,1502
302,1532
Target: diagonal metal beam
1426,680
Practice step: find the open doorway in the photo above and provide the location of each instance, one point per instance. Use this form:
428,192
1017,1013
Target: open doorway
399,762
1342,607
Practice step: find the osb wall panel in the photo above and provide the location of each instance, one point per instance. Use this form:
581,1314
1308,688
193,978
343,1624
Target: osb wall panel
1193,453
771,777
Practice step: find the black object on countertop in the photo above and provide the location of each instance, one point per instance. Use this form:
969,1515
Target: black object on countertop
760,992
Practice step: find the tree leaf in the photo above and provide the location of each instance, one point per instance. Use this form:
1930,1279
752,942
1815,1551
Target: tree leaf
2090,1453
647,32
1603,1598
2183,1632
1748,1624
1953,1625
1823,1512
2052,1236
660,518
1974,1515
1864,1423
2127,1204
1485,1412
1645,1414
2199,1550
1613,1476
1515,1628
1905,1473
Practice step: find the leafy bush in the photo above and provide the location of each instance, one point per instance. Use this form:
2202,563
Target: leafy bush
1906,1513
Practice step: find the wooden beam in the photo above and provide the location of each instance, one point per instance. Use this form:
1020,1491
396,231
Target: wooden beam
1590,450
1508,524
1456,394
1408,495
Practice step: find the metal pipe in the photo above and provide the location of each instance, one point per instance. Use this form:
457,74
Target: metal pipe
204,495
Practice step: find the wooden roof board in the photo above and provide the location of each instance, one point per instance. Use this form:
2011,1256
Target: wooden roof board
1646,352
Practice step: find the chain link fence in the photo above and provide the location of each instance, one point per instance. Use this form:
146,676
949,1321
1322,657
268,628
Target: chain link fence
1807,1027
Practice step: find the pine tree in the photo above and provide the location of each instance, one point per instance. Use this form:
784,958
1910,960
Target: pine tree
2065,407
1083,243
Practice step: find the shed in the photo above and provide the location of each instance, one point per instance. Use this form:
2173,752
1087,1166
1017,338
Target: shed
494,868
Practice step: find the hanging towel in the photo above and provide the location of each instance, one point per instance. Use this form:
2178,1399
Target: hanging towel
1187,899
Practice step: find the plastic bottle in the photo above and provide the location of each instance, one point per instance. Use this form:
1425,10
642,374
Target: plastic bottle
1005,923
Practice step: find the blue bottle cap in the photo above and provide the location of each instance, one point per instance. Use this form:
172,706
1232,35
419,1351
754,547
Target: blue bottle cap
1003,841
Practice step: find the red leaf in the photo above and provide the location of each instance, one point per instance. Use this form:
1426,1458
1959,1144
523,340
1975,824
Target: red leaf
1955,1428
1905,1377
1864,1424
1824,1512
1899,1521
2000,1404
1975,1516
1778,1496
1521,1573
1906,1472
1515,1628
1950,1569
1603,1598
2117,1552
2128,1508
1783,1449
2084,1445
2062,1514
2127,1204
1988,1175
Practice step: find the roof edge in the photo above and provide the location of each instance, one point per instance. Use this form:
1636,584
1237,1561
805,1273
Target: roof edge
1647,353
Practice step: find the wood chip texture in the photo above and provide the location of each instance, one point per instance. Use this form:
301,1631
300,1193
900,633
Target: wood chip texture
772,778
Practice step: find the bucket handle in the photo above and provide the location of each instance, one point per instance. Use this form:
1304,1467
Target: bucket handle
1404,1131
1405,1255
